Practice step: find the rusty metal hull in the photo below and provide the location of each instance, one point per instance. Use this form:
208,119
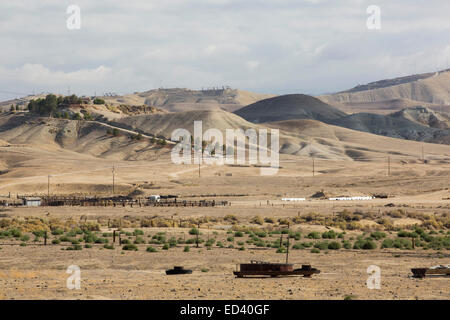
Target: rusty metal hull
423,272
273,270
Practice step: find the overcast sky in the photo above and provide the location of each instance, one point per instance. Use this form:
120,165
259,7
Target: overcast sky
269,46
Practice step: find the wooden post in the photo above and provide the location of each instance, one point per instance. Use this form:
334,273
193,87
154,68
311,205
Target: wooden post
45,238
198,231
114,236
287,248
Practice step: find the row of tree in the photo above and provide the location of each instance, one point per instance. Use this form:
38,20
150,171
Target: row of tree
49,105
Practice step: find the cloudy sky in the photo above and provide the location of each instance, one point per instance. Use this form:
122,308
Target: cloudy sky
270,46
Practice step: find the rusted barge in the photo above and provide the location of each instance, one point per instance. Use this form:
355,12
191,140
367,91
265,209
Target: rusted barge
436,270
267,269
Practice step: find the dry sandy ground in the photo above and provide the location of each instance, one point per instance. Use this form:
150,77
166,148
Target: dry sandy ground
28,273
39,272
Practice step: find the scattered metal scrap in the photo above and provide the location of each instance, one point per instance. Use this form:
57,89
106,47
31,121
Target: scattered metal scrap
436,270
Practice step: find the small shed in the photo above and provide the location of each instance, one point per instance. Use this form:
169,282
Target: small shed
31,201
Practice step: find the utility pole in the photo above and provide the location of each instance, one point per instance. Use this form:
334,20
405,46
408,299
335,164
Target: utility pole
113,178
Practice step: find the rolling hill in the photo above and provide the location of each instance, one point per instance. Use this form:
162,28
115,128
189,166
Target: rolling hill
180,100
288,107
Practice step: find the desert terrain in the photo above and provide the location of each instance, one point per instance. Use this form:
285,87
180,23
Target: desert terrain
118,148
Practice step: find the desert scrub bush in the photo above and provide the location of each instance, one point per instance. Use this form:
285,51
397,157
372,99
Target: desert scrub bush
57,232
334,245
230,239
23,244
329,235
75,247
187,249
139,240
138,232
314,235
377,235
241,248
281,249
387,243
219,244
39,233
151,249
240,243
109,246
406,234
298,246
25,238
307,244
130,247
194,231
257,220
107,235
321,245
166,246
56,241
101,240
172,242
238,234
315,250
347,244
204,270
269,220
261,234
88,246
364,244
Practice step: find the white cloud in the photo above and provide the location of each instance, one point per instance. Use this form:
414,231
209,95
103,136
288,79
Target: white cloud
311,46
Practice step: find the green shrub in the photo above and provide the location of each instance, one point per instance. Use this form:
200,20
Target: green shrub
238,234
25,238
334,245
377,235
57,232
321,245
387,243
151,249
187,249
166,246
298,246
139,240
329,235
130,247
109,246
315,250
314,235
138,232
194,231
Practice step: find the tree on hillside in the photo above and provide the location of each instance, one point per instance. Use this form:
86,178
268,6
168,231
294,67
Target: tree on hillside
99,101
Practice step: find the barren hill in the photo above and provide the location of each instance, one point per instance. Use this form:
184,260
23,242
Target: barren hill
425,116
314,138
83,137
428,90
287,107
179,100
393,126
429,87
165,124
